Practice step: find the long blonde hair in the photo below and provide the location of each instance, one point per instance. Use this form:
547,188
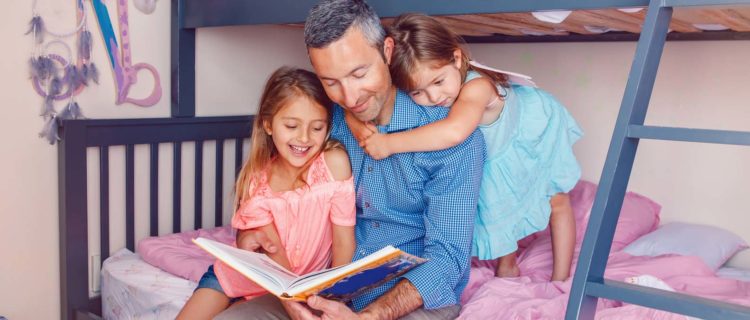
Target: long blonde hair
285,84
422,39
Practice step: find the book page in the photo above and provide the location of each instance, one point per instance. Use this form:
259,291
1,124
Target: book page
256,266
305,283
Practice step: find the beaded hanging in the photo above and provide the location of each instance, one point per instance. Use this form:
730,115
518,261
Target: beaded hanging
56,77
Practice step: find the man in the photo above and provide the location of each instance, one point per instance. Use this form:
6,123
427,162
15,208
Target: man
423,203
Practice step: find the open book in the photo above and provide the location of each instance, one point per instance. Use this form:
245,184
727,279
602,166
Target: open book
342,283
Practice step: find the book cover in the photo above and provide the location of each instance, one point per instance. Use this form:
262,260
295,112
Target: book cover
342,283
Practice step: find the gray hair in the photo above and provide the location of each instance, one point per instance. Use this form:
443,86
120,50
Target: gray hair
330,19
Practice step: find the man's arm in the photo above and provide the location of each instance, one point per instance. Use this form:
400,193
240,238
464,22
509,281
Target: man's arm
401,300
451,195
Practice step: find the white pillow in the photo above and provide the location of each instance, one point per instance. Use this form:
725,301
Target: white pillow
712,244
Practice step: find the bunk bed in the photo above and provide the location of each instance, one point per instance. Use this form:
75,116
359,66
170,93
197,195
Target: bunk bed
480,21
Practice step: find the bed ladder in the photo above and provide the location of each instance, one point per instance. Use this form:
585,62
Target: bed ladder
588,282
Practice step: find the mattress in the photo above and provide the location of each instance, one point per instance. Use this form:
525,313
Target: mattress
134,289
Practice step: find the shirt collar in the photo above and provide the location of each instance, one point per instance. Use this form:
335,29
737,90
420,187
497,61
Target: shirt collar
405,115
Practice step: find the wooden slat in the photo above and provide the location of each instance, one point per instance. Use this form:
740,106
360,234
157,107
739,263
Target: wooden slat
501,22
486,26
130,197
154,190
528,18
465,28
198,195
676,24
219,191
737,19
237,156
176,187
104,202
600,19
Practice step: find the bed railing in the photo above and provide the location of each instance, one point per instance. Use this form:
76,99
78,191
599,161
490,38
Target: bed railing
80,135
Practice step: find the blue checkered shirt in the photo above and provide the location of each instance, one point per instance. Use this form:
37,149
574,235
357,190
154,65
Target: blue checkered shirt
423,203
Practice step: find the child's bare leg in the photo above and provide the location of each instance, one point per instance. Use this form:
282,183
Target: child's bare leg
507,266
563,230
204,304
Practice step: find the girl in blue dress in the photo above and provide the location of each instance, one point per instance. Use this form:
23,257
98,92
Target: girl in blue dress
530,164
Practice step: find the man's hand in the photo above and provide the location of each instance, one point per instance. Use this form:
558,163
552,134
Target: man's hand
377,146
331,310
255,240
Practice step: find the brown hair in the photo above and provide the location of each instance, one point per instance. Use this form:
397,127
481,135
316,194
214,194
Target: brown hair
285,84
422,39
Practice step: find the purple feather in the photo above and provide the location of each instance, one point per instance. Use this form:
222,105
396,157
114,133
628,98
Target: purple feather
71,111
34,67
48,109
84,45
70,78
36,27
44,67
49,131
83,75
75,110
55,87
41,67
93,73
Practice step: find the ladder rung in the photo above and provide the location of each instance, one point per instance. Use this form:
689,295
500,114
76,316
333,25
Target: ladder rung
688,3
665,300
690,135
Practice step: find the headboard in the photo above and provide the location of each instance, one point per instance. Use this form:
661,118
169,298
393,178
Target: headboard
80,135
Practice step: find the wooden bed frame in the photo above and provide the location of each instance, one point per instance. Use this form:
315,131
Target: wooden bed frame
78,136
187,15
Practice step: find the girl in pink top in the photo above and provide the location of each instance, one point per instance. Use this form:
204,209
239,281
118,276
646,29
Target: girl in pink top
296,186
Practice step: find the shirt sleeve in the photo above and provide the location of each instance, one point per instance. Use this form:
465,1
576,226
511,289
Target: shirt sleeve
451,195
253,213
343,211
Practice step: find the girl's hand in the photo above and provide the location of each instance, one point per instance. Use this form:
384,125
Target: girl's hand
359,129
377,146
255,240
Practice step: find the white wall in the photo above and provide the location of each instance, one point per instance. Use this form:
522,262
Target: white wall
29,245
699,85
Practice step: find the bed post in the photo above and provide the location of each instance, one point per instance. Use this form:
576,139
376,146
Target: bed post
183,64
74,291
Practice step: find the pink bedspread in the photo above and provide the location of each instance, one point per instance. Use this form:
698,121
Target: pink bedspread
178,255
533,296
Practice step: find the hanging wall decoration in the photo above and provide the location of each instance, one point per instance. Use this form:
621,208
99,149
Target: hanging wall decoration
59,73
62,75
125,73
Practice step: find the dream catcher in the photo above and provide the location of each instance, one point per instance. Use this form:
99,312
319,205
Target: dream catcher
62,75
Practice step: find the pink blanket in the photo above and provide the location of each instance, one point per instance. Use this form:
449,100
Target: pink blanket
176,253
533,296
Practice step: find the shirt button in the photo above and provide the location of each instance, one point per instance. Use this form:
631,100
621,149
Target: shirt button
376,224
367,204
369,169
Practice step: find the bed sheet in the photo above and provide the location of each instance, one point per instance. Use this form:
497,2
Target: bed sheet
134,289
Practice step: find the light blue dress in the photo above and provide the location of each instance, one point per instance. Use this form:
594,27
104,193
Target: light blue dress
529,160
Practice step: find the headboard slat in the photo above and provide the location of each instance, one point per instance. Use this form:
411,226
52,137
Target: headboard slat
130,197
198,195
154,190
104,202
219,190
237,157
176,187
